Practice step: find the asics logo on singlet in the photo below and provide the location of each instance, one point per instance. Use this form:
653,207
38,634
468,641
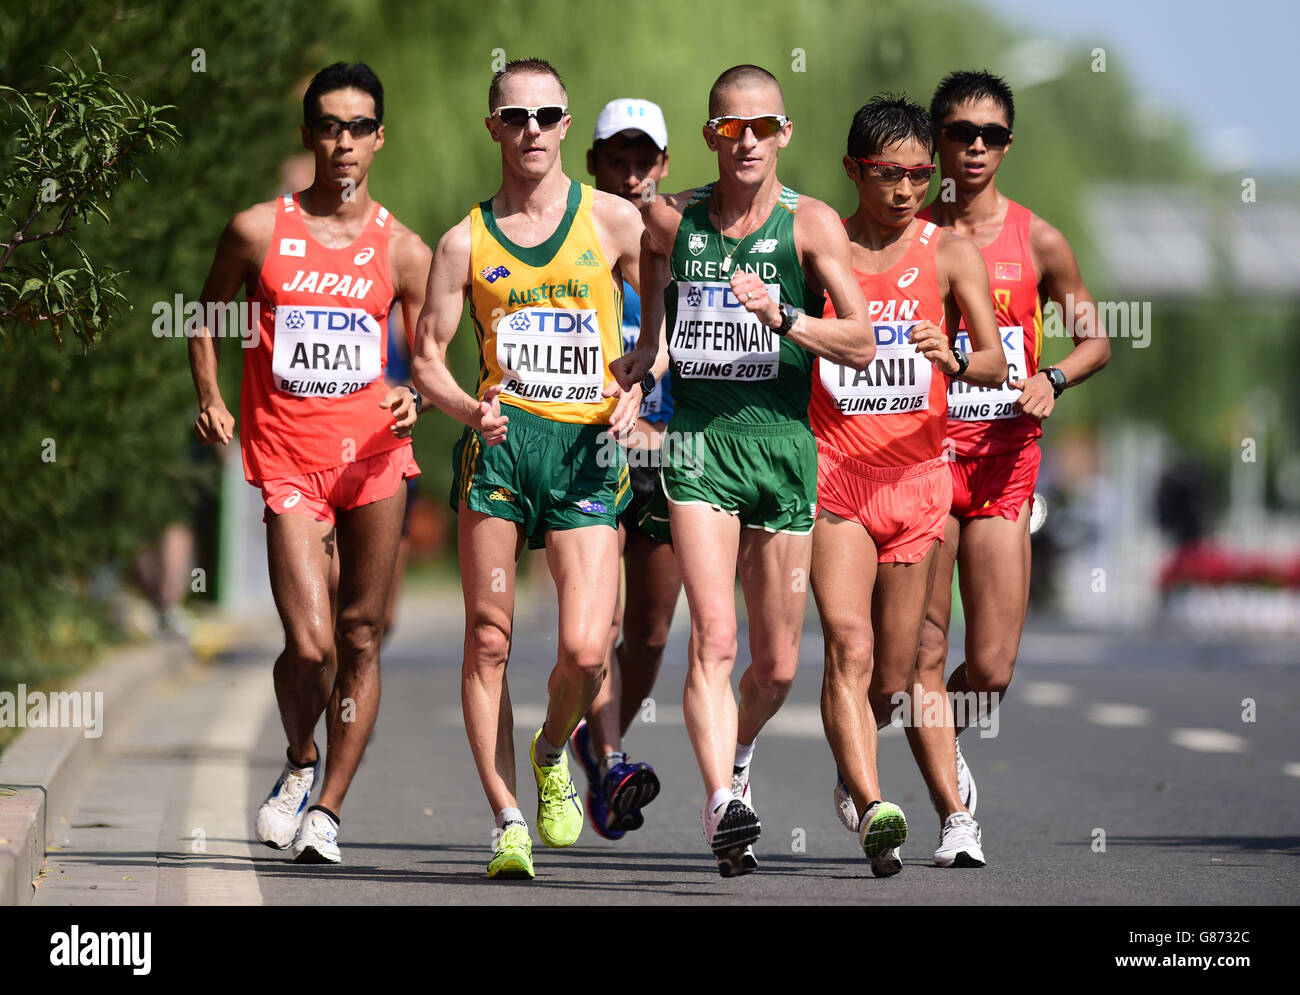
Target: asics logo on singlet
292,499
494,273
364,256
696,243
908,277
764,245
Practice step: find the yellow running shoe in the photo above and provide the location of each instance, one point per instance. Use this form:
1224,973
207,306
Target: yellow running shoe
559,813
514,856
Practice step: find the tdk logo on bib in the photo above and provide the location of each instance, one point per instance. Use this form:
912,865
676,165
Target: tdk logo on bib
329,320
554,321
712,295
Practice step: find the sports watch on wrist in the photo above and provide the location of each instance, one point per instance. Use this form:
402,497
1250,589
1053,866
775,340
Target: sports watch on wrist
1056,378
648,384
789,315
419,402
963,361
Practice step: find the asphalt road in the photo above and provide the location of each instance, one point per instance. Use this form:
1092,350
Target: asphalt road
1139,737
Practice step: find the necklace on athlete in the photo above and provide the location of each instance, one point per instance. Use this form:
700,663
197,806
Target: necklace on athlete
722,239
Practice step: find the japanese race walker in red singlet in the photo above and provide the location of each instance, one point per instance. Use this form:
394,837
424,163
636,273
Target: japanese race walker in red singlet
994,435
322,435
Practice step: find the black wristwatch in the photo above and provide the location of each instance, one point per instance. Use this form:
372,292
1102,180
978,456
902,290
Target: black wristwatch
1056,378
648,384
963,361
789,315
419,403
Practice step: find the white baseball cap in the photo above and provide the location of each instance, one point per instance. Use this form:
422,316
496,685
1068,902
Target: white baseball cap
630,114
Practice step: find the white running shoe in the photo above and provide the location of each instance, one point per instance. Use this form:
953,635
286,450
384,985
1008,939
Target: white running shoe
318,840
740,785
280,816
965,783
844,807
887,864
731,830
959,843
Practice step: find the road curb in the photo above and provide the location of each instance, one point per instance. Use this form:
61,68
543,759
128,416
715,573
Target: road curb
43,767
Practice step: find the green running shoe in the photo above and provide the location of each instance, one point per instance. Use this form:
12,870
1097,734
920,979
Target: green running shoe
514,856
883,828
559,813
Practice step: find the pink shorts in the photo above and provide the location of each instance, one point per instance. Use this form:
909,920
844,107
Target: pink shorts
994,485
340,488
903,508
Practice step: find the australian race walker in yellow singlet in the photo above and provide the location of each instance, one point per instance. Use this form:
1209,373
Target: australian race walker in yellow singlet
541,264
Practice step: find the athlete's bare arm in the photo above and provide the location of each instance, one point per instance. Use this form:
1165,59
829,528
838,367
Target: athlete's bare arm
662,217
823,248
238,259
1058,277
964,282
408,259
448,282
619,226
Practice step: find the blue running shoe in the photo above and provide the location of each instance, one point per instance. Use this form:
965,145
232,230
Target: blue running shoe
628,788
580,747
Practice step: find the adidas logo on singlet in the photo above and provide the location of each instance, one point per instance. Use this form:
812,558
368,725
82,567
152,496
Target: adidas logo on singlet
588,258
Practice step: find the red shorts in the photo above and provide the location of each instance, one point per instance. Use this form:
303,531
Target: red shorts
994,485
340,488
903,508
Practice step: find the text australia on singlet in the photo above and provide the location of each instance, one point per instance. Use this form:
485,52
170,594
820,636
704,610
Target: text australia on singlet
326,351
714,337
551,353
897,380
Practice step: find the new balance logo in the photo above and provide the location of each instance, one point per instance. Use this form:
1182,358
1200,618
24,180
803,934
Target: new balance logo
764,246
493,273
588,258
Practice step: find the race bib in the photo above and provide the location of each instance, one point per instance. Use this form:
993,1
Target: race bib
897,380
325,351
652,404
551,354
970,403
715,338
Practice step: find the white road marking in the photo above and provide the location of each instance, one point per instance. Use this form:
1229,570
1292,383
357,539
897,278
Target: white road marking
223,873
1208,740
1293,769
1119,715
1046,694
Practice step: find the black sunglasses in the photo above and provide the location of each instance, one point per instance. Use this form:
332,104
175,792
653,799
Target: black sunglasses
995,135
331,127
516,115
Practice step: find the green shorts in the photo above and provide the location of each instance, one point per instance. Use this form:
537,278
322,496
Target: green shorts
764,474
545,475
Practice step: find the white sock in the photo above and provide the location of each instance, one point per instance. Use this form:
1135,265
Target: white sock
610,760
744,754
509,815
548,754
720,797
